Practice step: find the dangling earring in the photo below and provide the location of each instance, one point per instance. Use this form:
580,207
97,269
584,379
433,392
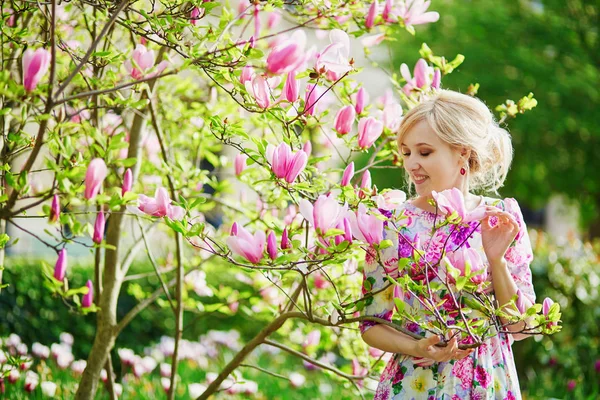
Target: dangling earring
463,171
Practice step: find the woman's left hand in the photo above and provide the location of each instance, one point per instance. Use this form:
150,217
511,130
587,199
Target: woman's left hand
497,239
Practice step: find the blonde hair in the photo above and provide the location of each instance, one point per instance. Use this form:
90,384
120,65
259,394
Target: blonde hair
464,121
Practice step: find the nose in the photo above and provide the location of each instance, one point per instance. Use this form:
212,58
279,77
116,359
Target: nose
411,165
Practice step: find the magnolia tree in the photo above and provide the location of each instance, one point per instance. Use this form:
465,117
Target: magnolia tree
150,115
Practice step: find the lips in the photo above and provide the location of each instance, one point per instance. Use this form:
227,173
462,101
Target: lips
418,179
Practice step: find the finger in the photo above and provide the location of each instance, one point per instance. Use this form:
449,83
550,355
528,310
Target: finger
433,340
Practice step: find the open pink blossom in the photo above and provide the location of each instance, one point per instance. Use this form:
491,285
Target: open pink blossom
326,213
366,227
160,205
414,12
392,116
468,260
421,80
141,64
251,247
335,57
35,66
452,201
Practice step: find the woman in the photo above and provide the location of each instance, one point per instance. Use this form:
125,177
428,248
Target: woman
452,141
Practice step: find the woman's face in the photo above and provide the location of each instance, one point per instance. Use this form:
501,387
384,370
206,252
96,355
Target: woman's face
431,163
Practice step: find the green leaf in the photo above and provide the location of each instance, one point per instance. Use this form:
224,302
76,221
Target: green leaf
384,244
399,304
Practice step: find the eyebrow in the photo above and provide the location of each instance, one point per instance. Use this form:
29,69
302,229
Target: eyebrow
417,145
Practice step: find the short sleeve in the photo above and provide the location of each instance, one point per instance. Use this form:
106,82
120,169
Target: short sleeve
520,254
381,304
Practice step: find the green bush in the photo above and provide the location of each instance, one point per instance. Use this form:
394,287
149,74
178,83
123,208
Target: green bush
564,365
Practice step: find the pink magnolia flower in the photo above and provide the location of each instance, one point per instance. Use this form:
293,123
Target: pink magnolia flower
414,12
287,55
285,164
143,63
392,116
285,241
344,119
272,245
246,245
362,98
325,214
35,65
10,22
335,57
468,259
311,97
390,200
452,201
437,78
365,227
421,80
369,130
348,174
55,209
520,304
273,19
94,177
160,205
247,74
99,228
60,268
546,305
258,87
195,15
372,40
127,182
291,87
88,298
240,163
365,181
312,339
371,14
307,148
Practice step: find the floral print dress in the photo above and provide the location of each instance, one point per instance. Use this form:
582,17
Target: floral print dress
489,371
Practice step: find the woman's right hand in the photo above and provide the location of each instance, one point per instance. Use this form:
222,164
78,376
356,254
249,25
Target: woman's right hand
427,350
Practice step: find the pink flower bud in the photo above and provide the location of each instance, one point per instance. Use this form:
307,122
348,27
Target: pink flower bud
344,120
240,163
88,298
285,241
273,20
546,305
234,229
369,130
272,245
35,65
520,303
348,174
259,89
290,88
55,209
94,177
362,98
60,268
246,75
127,182
421,73
307,148
195,15
437,77
99,228
365,182
287,55
310,99
371,15
347,231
